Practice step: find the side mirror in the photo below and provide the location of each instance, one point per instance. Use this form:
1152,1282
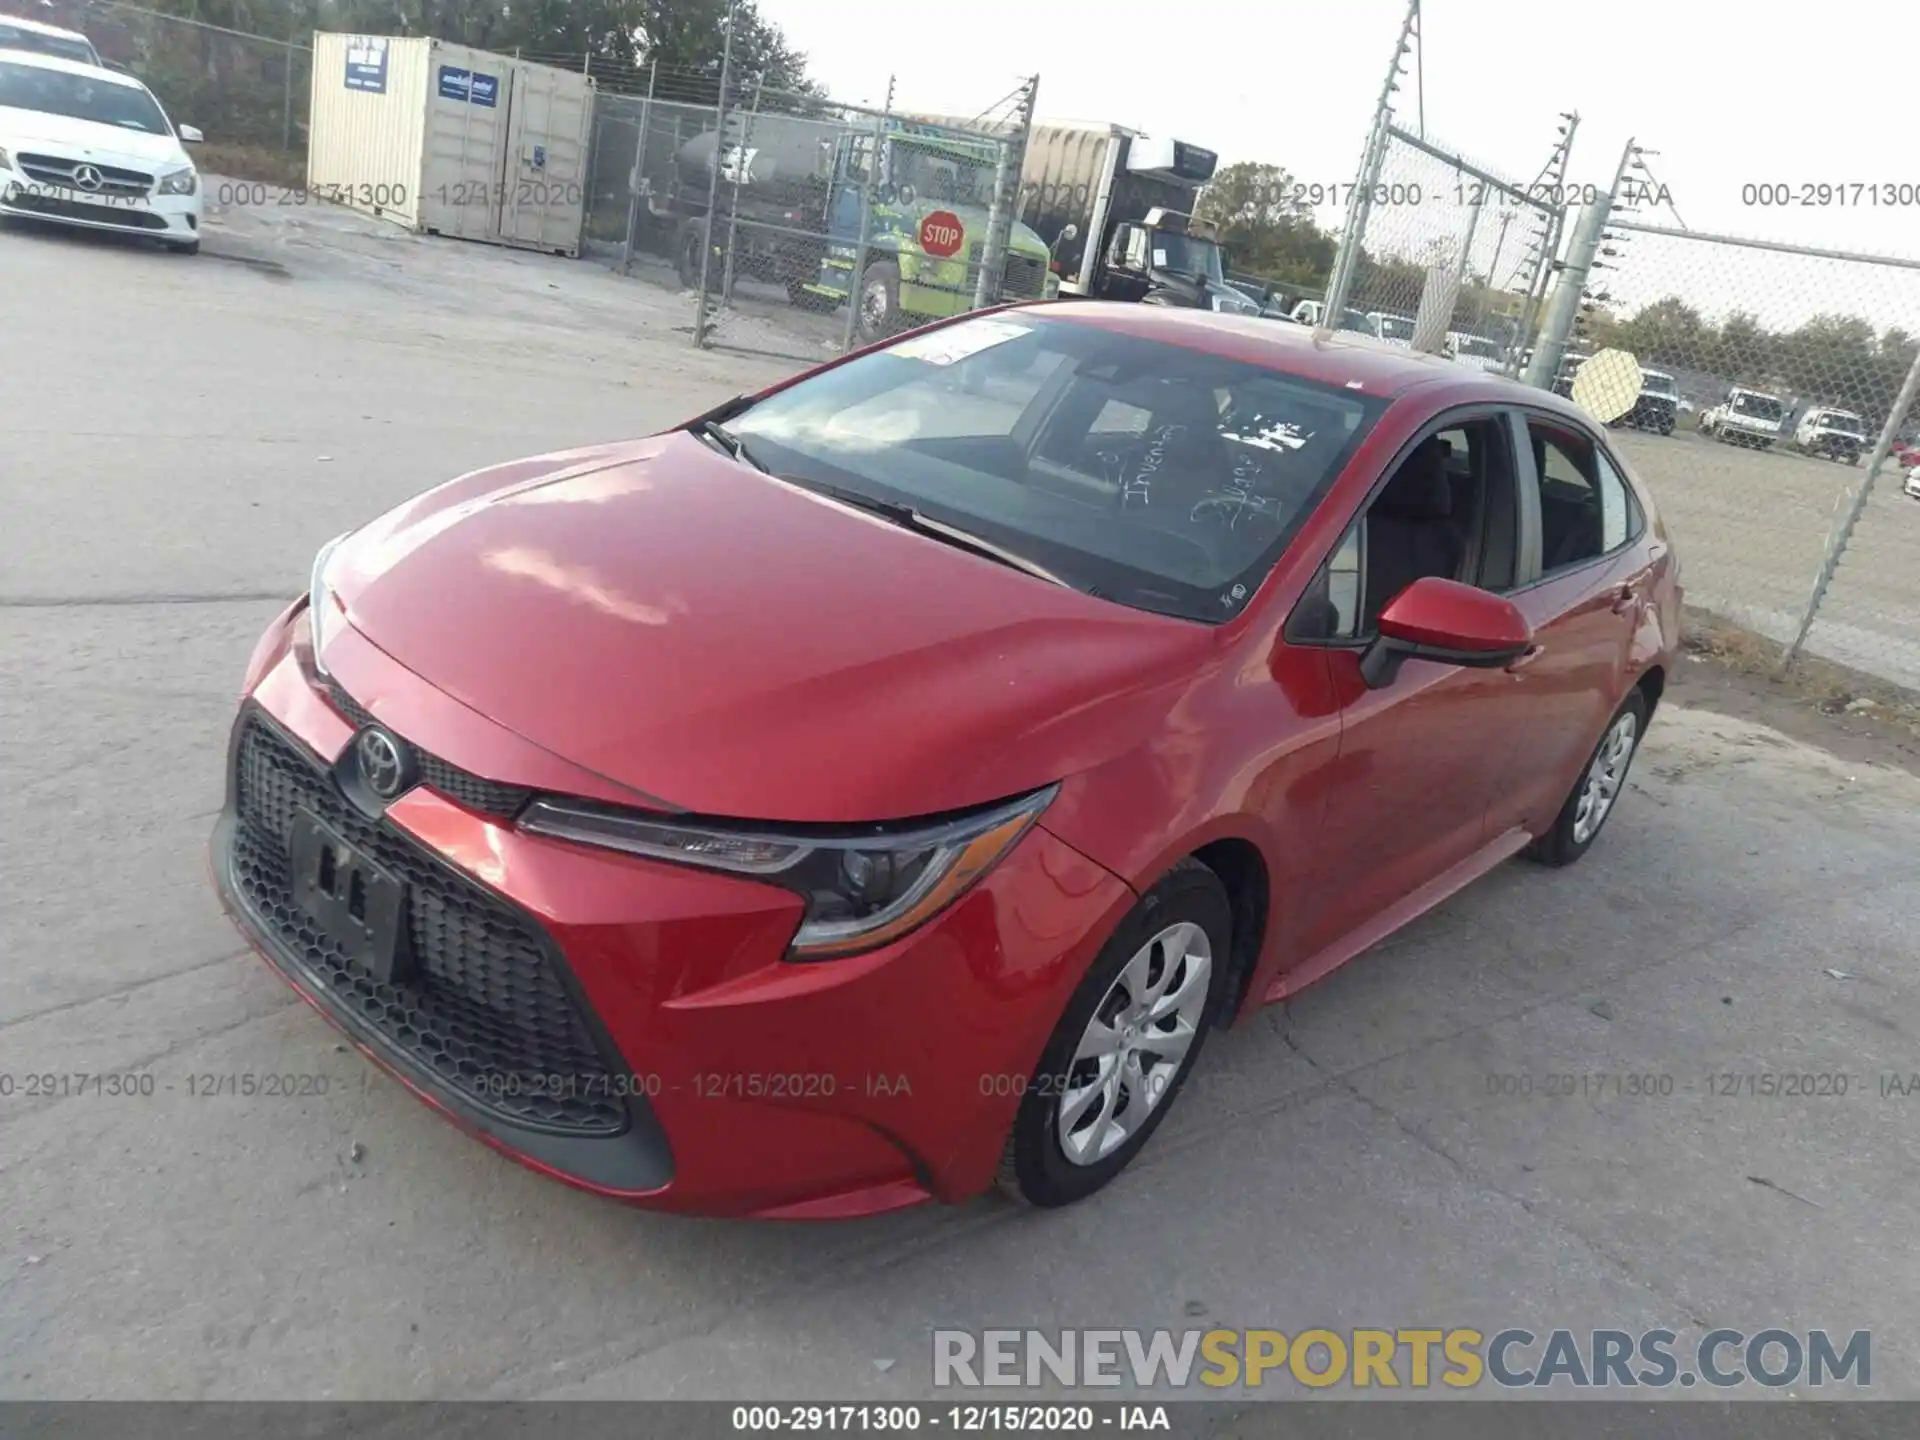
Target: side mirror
1072,232
191,136
1447,622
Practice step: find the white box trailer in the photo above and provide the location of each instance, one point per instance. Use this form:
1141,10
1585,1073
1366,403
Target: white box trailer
443,139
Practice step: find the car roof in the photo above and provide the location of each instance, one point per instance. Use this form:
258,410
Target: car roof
69,67
40,27
1336,358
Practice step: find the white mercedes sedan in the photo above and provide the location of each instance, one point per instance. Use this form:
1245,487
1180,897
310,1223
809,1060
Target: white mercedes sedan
86,146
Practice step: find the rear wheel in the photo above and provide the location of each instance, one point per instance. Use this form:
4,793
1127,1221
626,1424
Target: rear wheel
1594,794
1125,1045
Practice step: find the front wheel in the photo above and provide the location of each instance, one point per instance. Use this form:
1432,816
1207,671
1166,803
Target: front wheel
1592,799
1126,1043
879,301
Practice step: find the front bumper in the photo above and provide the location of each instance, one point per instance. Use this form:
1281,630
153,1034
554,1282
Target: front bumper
159,217
632,1027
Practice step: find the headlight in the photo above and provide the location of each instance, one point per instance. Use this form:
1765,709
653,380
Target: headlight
323,611
178,182
6,160
863,888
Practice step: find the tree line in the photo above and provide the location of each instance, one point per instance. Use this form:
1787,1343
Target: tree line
253,92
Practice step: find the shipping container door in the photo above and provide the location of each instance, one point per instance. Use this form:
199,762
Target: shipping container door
548,125
466,141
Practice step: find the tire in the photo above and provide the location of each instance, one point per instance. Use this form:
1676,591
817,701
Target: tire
879,302
1035,1168
1572,835
686,258
183,247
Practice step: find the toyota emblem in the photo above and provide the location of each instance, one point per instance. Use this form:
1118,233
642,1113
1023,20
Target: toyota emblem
88,177
383,764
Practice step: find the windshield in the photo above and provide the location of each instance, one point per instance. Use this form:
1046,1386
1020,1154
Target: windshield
1840,421
1395,327
1655,383
1154,475
936,177
80,97
1354,321
1758,407
37,42
1186,255
1478,346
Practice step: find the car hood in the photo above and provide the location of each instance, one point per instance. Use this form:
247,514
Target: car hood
87,139
714,639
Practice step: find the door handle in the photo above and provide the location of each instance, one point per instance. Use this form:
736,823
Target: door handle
1525,658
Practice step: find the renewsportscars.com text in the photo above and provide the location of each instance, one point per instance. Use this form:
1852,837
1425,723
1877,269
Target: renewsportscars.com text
1413,1359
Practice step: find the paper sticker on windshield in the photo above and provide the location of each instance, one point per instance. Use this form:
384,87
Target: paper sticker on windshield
1159,259
951,343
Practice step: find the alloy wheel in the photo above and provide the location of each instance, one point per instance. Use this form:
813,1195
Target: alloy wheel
1605,775
1130,1053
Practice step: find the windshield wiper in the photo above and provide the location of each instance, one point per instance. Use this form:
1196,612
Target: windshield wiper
908,518
727,443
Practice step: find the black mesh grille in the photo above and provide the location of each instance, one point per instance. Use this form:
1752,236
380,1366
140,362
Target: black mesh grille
119,216
1024,278
486,797
485,1013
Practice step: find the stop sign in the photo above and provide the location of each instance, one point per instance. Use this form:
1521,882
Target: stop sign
940,234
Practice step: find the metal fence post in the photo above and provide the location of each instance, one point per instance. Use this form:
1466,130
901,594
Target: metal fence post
1373,158
286,104
1006,198
1564,309
636,183
857,273
1843,527
713,181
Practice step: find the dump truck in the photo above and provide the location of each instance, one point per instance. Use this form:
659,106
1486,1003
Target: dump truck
1116,209
792,198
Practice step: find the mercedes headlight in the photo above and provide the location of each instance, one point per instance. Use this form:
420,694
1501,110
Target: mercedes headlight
324,615
863,886
178,182
6,160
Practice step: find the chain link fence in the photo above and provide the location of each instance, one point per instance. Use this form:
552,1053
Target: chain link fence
1444,255
248,93
1775,428
773,209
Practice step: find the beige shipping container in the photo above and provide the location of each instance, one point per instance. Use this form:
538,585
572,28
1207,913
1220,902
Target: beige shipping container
443,139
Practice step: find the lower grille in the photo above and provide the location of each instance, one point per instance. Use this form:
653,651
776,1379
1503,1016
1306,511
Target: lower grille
463,787
120,216
486,1013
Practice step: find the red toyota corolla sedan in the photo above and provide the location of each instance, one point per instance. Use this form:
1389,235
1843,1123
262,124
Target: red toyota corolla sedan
877,787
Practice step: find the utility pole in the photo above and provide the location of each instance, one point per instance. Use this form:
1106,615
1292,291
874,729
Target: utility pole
1006,198
1564,309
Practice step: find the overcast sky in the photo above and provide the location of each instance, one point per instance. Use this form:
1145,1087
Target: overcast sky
1727,94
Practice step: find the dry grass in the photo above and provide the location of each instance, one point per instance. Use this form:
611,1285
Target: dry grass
1828,687
253,162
